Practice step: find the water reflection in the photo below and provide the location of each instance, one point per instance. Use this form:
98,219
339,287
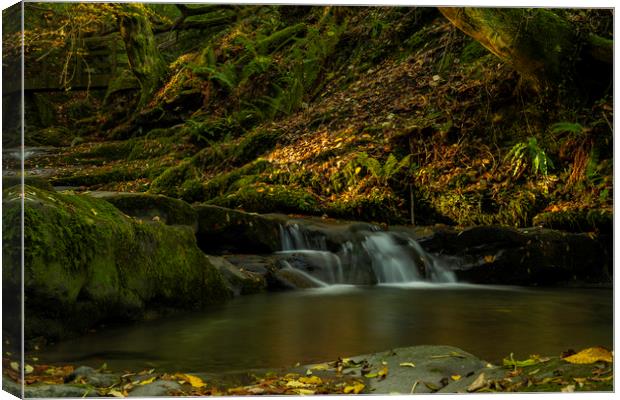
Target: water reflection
275,330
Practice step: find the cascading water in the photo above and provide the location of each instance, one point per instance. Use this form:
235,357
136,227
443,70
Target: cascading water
366,256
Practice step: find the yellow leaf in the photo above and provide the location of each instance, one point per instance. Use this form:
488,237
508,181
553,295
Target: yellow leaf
295,384
312,380
320,367
455,377
355,389
147,381
407,364
14,365
590,356
489,259
357,170
304,391
192,380
115,393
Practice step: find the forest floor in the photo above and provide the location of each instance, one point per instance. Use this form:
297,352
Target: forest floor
419,369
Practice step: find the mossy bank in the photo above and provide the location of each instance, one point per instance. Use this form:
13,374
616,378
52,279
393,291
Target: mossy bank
87,263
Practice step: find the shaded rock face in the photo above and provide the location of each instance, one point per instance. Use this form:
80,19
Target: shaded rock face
86,262
222,230
529,257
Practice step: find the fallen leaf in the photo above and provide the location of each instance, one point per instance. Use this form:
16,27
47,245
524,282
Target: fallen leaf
407,364
14,365
355,389
115,393
478,383
382,373
455,377
312,380
304,391
28,369
147,381
568,389
192,380
295,384
590,356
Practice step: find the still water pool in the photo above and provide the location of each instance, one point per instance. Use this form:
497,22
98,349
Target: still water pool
277,330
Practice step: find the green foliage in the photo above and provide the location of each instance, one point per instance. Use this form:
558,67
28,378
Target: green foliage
568,127
531,153
265,198
382,174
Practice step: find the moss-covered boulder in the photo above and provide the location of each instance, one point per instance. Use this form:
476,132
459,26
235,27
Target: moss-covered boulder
264,198
149,207
36,181
87,262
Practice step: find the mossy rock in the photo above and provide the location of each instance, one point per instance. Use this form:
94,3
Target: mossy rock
377,206
52,136
577,220
170,182
234,180
87,262
100,176
125,80
35,181
222,230
151,207
265,198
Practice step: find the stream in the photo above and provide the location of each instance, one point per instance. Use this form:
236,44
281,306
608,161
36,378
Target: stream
273,330
414,299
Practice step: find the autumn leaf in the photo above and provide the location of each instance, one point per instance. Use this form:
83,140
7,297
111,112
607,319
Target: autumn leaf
455,377
147,381
192,380
115,393
407,364
355,389
478,383
312,380
590,356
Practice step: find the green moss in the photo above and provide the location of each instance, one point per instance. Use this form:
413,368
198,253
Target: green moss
377,206
473,51
86,261
101,176
235,179
254,145
171,180
147,206
35,181
265,198
576,220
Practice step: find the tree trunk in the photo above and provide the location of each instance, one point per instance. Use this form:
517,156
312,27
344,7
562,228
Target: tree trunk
538,43
145,60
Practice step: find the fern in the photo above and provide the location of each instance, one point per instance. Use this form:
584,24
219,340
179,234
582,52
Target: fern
538,160
567,127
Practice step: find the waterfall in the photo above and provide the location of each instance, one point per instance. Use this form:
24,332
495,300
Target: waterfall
364,257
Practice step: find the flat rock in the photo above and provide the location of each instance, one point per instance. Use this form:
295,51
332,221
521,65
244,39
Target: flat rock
434,366
95,378
157,388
